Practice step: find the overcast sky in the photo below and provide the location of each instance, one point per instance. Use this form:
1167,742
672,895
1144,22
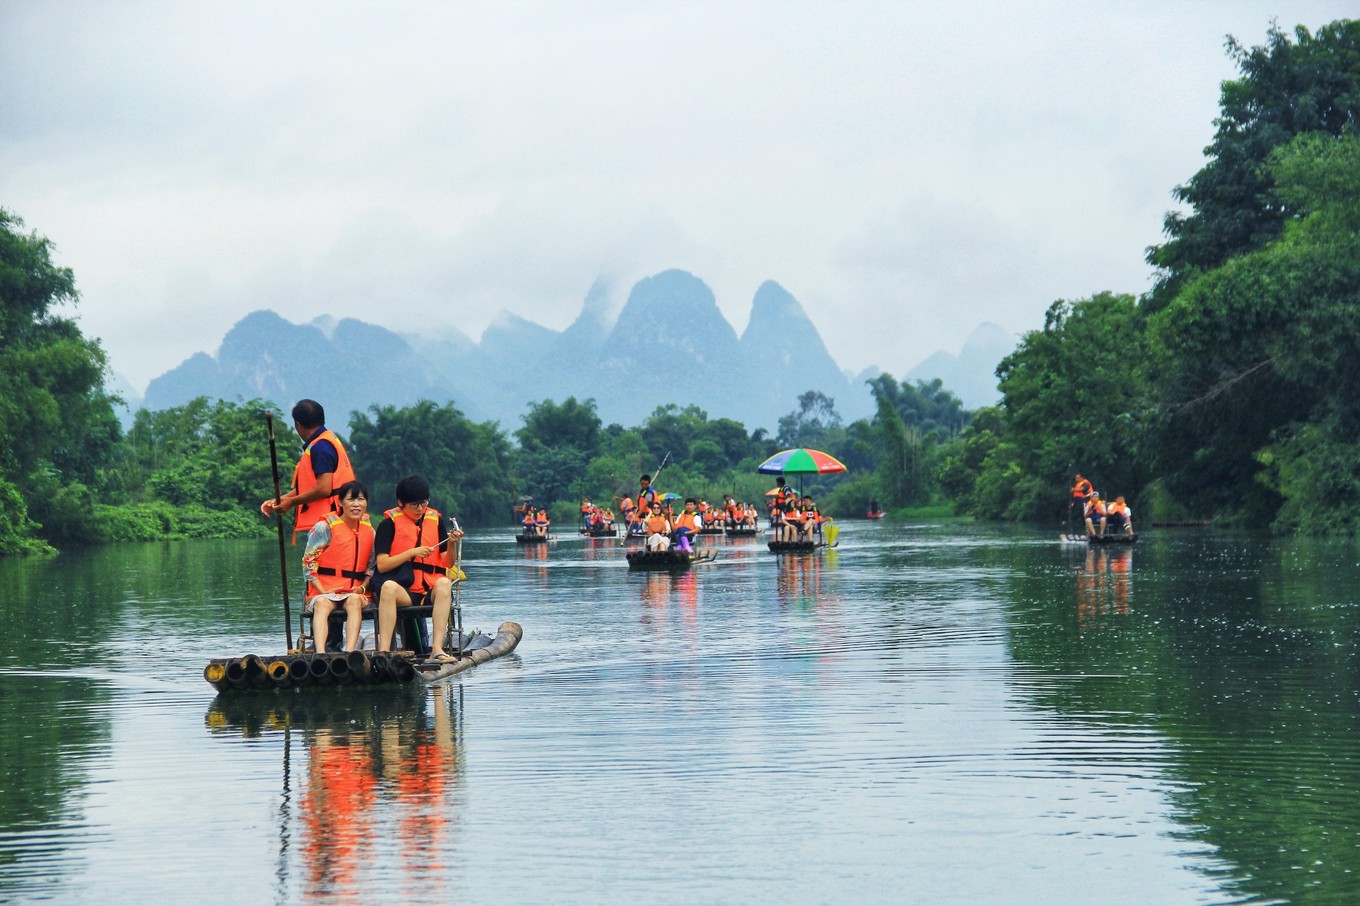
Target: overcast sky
906,170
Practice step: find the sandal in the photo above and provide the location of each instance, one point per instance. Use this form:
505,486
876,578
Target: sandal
443,657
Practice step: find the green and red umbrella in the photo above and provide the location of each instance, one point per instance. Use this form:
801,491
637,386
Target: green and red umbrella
801,461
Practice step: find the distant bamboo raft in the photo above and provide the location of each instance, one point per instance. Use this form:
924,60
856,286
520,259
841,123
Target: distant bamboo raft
354,668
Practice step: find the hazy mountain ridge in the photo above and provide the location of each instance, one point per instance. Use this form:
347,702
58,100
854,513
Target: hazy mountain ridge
669,344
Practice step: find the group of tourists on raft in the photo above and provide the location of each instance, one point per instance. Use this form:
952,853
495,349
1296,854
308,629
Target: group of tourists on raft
535,523
347,563
1100,515
794,518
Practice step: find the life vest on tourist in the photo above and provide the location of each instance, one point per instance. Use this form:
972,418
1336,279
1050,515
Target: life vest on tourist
782,496
626,505
304,479
689,521
1081,489
1116,509
793,514
656,522
1094,507
419,533
540,518
344,562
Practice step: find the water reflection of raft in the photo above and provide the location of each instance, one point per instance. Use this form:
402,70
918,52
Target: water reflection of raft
668,559
741,531
357,668
531,539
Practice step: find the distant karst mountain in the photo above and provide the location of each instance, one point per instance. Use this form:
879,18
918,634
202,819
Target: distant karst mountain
669,344
970,375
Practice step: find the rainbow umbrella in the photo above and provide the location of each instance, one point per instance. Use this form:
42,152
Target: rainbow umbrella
801,461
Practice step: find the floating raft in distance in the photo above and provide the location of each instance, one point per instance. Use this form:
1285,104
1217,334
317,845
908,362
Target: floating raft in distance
796,547
601,531
531,539
668,559
357,668
743,532
1119,538
1098,539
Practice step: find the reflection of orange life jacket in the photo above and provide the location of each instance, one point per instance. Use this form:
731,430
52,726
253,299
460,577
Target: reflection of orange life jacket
344,562
411,534
309,514
687,520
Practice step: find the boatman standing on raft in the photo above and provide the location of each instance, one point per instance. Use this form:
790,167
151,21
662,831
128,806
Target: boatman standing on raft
413,561
323,467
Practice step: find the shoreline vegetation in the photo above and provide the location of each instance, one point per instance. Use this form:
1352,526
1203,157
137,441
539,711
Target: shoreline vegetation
1227,393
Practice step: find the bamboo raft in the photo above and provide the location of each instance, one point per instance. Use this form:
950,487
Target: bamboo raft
796,547
1119,538
251,672
667,559
531,539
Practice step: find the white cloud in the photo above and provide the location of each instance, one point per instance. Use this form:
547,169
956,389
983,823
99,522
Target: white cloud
930,165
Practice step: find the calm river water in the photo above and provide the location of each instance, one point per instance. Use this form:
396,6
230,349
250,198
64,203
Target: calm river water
931,713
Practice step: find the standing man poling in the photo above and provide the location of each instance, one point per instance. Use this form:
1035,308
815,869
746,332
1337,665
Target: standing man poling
323,467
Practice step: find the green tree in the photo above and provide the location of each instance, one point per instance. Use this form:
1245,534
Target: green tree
1256,359
57,424
552,426
1287,88
1073,400
815,423
466,464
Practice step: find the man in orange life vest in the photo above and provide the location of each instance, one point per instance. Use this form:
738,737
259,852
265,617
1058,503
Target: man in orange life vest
323,467
339,565
412,546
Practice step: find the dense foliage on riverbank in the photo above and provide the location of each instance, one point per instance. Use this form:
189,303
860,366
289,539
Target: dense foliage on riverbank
1229,391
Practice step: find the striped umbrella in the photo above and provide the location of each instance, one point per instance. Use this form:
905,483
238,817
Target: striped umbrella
801,461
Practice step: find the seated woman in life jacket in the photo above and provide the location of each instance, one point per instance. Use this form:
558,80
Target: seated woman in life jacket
750,517
793,521
658,530
1095,515
541,523
1119,515
412,544
338,566
527,523
812,519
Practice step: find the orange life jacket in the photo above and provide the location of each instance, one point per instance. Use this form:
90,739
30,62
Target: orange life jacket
344,562
1081,488
309,514
1116,509
540,518
424,533
656,522
687,520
